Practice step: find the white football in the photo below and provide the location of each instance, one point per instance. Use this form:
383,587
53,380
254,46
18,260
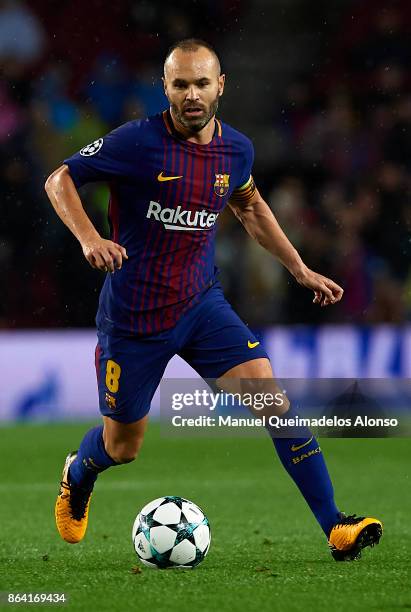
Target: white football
171,532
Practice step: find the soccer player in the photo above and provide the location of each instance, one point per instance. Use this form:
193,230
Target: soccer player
170,176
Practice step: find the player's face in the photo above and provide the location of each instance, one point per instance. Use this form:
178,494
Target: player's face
193,86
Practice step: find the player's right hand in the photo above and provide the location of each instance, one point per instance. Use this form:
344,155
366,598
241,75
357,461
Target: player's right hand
104,254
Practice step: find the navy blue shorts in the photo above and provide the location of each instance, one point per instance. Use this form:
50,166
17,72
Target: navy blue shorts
211,337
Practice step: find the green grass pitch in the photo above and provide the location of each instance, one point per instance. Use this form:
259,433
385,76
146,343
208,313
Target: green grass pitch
267,552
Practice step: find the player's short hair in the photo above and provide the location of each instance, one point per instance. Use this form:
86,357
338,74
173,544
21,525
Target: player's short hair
189,45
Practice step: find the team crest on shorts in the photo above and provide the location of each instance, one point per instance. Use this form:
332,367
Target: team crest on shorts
110,401
222,184
92,148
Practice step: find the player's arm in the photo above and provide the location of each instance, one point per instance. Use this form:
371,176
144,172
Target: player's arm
100,253
259,221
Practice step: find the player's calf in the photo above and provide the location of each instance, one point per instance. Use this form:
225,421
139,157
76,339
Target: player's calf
123,452
123,441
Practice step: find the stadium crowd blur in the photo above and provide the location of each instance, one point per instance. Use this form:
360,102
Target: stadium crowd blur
341,189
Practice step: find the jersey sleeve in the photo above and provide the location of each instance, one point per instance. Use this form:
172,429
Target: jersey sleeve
245,189
114,155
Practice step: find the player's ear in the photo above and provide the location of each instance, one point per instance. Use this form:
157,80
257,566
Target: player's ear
164,85
221,82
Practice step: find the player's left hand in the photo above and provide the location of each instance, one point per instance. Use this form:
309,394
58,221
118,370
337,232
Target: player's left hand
325,290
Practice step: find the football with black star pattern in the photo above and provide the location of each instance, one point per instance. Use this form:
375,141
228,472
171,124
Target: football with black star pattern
171,532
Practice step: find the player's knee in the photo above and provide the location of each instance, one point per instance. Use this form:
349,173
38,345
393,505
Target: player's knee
263,397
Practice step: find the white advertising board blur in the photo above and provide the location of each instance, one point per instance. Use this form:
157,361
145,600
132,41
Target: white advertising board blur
50,374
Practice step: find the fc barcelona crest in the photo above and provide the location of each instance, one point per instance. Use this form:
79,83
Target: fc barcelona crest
110,401
222,183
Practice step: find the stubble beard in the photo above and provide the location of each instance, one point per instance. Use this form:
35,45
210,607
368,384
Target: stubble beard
195,125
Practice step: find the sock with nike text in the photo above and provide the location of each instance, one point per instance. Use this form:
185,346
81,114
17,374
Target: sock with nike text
303,459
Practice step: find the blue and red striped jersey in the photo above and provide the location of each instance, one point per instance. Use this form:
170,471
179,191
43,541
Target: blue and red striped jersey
165,198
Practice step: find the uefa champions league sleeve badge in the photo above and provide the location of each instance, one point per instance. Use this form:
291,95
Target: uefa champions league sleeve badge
92,148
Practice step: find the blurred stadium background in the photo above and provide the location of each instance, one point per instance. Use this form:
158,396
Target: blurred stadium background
323,91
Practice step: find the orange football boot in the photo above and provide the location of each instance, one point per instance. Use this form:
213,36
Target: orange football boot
351,534
72,507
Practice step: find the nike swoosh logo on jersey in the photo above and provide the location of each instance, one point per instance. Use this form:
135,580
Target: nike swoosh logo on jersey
296,448
162,178
252,344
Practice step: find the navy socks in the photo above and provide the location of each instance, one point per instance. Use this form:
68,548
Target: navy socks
301,456
303,459
91,459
